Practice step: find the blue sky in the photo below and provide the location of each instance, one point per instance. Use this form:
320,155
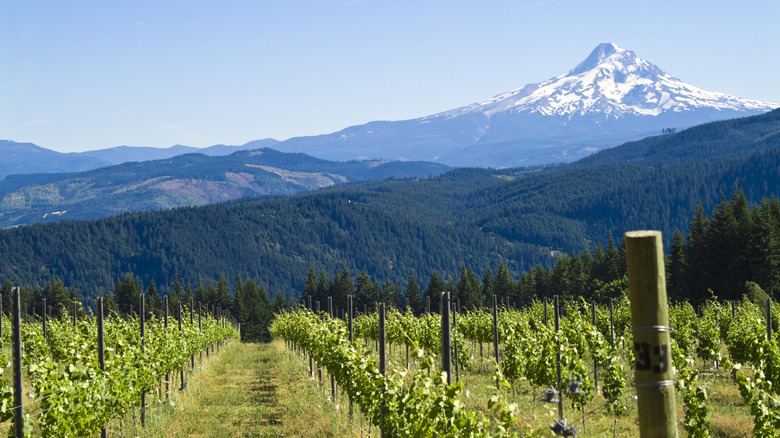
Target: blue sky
80,75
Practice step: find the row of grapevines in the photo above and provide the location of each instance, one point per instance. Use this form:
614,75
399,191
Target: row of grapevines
415,332
415,405
747,343
77,398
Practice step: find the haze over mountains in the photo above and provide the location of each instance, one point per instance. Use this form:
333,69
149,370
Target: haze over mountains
398,227
611,97
184,180
27,158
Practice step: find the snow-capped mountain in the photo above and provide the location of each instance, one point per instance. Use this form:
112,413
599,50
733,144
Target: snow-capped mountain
611,97
611,82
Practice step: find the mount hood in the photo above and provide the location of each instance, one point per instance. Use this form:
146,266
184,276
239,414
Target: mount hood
611,97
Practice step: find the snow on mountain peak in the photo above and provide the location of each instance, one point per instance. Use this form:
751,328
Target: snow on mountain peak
597,56
609,83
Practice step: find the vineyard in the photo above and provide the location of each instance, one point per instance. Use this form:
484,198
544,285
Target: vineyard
579,356
80,376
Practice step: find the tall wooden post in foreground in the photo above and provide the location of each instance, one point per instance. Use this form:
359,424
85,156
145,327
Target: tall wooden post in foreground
101,347
446,352
16,341
654,376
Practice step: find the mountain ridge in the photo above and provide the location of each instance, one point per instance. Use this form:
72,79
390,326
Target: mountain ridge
611,97
183,180
395,228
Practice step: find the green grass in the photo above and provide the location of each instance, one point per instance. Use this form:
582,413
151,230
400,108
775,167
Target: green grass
262,390
729,417
245,390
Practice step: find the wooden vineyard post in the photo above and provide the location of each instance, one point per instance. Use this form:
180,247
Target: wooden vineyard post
495,334
17,354
219,322
611,325
165,324
446,351
311,360
143,344
654,374
557,313
192,311
455,345
382,362
332,377
74,313
351,339
595,362
43,315
768,319
101,346
200,328
183,367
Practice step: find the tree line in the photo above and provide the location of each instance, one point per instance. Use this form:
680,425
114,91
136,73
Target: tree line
733,252
248,302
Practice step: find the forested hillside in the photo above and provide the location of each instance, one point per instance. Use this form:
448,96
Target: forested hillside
191,179
393,229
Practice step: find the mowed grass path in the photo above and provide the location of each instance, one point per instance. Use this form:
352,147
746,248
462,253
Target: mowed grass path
253,390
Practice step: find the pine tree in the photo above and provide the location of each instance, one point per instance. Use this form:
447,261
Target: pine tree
614,261
323,289
188,295
767,243
56,298
392,295
223,299
339,289
412,295
433,292
200,295
504,285
310,284
127,294
675,284
154,304
695,254
239,301
279,303
6,293
488,287
468,290
366,293
176,292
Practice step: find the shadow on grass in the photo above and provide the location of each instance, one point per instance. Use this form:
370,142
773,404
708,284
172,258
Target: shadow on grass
264,393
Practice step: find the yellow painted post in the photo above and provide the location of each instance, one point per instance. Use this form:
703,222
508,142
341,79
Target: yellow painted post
654,373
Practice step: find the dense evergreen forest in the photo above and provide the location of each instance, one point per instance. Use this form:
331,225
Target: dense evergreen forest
248,302
731,253
397,228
